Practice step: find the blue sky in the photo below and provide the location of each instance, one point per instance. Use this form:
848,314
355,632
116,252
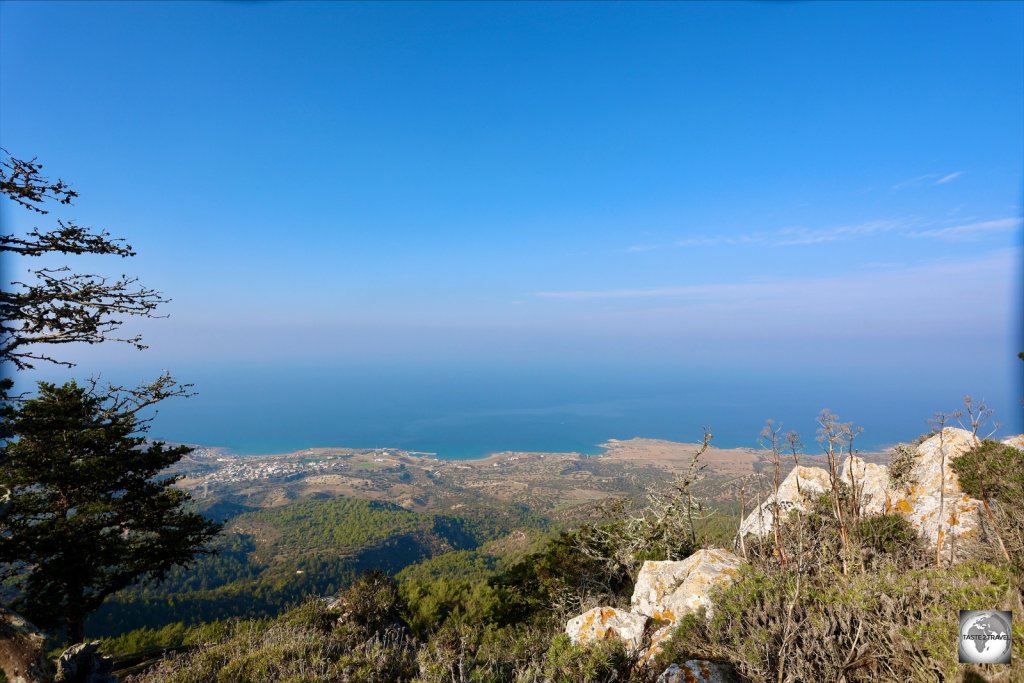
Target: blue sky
750,185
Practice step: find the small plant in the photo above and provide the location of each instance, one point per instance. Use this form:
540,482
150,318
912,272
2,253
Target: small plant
901,467
887,538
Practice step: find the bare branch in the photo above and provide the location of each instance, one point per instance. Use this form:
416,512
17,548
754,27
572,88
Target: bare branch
23,182
60,306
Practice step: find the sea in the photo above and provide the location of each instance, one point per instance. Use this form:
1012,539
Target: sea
460,411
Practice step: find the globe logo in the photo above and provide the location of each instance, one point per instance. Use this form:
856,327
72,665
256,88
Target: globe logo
985,637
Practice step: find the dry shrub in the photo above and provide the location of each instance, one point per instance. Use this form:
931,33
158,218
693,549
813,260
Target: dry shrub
901,466
890,625
353,640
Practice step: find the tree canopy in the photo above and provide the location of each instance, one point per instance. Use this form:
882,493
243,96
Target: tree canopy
87,513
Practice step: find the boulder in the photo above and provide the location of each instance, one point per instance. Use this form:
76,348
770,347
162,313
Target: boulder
698,671
83,663
1015,441
668,590
872,482
603,623
932,474
796,491
803,484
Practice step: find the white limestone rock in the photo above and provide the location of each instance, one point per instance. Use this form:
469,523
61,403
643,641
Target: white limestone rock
1015,441
602,623
872,482
935,480
796,491
668,590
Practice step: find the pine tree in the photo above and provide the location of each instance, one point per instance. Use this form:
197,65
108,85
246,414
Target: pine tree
87,512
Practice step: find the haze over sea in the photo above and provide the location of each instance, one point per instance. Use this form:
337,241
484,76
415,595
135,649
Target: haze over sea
460,411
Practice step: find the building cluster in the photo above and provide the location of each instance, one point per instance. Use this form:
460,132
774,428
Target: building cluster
238,470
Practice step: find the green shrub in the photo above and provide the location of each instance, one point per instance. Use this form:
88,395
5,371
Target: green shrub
600,662
312,643
994,473
992,470
887,538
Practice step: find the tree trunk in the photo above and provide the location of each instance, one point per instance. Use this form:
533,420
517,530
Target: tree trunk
21,651
76,628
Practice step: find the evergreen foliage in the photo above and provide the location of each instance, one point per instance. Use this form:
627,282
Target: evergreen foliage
270,560
993,472
87,513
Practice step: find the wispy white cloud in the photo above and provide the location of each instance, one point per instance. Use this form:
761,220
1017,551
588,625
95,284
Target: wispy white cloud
915,182
683,292
801,236
705,241
928,179
798,236
786,237
971,231
890,298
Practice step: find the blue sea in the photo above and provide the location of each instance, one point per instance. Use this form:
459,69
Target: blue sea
459,411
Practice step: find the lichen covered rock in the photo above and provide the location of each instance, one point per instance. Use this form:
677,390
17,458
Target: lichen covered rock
796,491
668,590
602,623
937,486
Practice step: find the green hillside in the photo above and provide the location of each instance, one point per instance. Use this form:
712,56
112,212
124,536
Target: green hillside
270,559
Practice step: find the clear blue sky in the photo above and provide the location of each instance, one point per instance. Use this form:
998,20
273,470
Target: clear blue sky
752,185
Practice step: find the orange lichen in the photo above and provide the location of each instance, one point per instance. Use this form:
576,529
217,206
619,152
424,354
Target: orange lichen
666,615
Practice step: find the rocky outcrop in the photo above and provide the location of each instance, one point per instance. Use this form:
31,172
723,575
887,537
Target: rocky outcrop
871,483
697,671
796,492
937,485
664,592
803,484
668,590
83,663
21,650
603,623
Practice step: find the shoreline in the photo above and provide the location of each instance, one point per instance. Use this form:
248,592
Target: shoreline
610,447
637,449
